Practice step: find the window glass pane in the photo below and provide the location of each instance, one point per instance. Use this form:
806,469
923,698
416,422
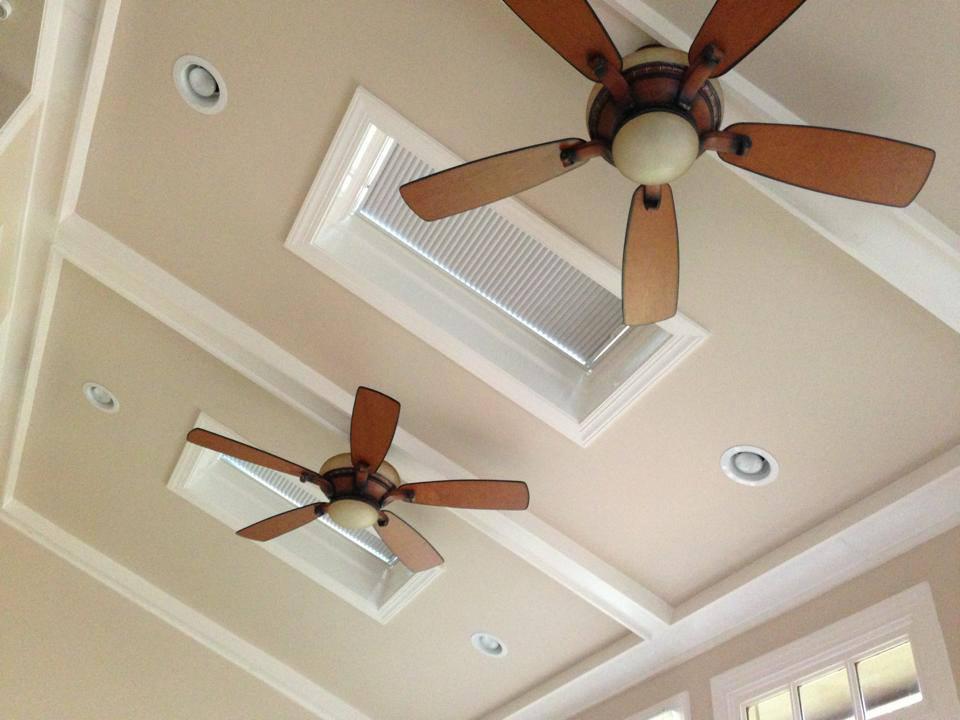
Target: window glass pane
774,708
827,697
888,681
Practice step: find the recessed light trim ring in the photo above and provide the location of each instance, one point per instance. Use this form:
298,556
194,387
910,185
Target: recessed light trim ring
749,465
200,84
488,644
100,397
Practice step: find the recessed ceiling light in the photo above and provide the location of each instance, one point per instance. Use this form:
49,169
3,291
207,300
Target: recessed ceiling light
5,9
749,465
488,644
100,397
200,84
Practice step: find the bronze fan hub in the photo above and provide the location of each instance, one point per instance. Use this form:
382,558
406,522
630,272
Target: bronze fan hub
653,139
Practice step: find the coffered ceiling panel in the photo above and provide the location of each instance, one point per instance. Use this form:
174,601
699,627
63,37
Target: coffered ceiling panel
846,381
102,478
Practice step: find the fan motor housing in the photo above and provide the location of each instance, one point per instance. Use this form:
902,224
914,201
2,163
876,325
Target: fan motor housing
341,474
654,74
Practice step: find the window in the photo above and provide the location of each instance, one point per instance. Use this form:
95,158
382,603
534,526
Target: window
499,290
888,661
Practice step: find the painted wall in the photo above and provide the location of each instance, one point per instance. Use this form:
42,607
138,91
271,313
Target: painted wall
18,49
937,562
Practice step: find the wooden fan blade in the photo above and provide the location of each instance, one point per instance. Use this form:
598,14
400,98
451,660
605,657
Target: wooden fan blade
651,259
837,162
372,426
284,522
239,450
477,494
572,29
736,27
484,181
407,544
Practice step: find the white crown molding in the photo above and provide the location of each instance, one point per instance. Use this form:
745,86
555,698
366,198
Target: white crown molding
909,248
929,505
281,677
106,26
265,363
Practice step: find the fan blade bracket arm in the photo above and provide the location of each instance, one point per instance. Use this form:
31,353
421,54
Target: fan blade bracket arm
652,195
309,476
611,78
699,71
581,151
361,477
400,493
726,141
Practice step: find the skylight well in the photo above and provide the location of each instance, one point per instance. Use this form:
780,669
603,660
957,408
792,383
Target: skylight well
502,264
355,565
499,290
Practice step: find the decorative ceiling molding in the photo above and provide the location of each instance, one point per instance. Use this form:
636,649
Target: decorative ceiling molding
909,248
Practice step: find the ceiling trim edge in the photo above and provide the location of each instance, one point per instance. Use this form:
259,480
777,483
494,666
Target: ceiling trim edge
106,27
278,675
908,247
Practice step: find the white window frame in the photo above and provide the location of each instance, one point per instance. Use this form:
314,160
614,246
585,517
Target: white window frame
910,615
678,703
470,331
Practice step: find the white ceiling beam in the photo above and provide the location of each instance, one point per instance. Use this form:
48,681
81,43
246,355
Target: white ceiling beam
909,248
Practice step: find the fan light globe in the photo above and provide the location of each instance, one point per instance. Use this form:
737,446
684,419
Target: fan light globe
352,514
655,148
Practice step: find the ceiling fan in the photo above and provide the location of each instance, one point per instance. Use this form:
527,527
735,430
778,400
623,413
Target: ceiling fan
359,484
651,115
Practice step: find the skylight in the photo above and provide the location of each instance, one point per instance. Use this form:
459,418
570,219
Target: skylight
497,260
498,290
354,565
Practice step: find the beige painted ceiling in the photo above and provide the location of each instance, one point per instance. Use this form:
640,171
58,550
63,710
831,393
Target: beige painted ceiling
111,493
812,356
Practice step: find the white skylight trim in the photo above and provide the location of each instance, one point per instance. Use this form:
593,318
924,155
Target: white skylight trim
498,290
